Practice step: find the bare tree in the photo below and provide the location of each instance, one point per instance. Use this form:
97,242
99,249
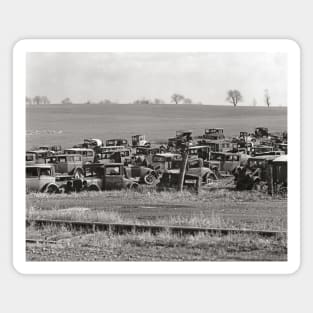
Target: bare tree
29,101
254,102
234,96
158,101
267,98
177,98
37,100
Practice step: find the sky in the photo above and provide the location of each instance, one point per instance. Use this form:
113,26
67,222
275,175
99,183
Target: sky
126,77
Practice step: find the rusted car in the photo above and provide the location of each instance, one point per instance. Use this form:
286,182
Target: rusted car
37,156
88,155
255,174
143,156
224,163
214,133
280,177
41,178
261,132
140,141
202,152
258,150
142,174
99,177
217,145
195,166
170,182
120,156
71,164
116,142
162,162
182,138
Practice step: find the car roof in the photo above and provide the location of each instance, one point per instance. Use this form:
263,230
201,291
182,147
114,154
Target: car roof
167,154
63,155
40,165
282,158
37,151
78,149
264,157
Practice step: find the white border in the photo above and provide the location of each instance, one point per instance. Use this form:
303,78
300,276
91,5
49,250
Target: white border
156,45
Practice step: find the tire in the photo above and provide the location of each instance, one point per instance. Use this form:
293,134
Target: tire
52,189
209,178
149,179
93,188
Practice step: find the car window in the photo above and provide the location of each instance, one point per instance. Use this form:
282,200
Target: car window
30,157
112,170
62,160
89,153
77,158
31,172
45,171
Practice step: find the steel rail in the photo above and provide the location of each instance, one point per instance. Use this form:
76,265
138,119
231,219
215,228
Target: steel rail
122,228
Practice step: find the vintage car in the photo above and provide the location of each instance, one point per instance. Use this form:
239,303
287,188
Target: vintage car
162,162
225,162
194,166
220,145
214,133
141,174
202,152
140,141
255,174
41,178
92,143
37,156
71,164
143,155
280,176
258,150
54,148
116,142
261,132
99,177
88,155
170,182
119,156
182,138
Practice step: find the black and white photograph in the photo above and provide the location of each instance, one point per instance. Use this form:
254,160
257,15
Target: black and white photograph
174,155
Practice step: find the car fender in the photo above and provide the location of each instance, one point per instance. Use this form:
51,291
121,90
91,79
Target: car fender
45,187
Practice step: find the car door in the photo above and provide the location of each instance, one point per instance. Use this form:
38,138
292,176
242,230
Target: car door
32,179
113,178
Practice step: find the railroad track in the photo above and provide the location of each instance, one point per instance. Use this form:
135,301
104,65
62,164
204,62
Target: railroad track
121,228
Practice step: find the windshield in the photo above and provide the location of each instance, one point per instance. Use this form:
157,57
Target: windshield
158,158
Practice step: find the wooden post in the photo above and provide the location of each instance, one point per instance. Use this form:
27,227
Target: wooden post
183,170
270,180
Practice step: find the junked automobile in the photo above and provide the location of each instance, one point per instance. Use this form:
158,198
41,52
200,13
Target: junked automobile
214,133
88,155
41,178
116,142
143,155
140,141
37,156
71,164
99,177
224,163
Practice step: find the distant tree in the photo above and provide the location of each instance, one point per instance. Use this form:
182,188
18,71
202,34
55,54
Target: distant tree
37,100
234,96
187,101
45,100
158,101
177,98
66,101
29,101
105,101
254,102
267,98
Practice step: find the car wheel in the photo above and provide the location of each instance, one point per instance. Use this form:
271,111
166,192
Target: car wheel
149,179
52,189
93,188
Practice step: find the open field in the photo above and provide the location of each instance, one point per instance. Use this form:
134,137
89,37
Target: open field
219,208
70,124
